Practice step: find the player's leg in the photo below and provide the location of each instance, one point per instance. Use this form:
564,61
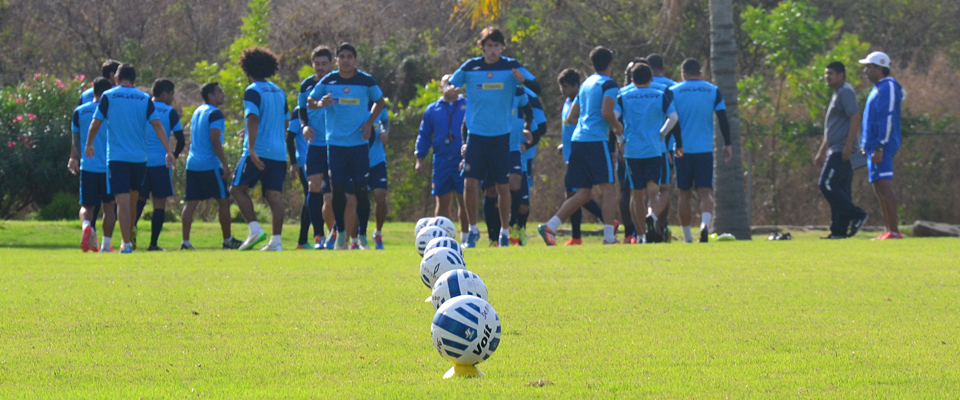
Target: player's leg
515,180
443,206
380,212
524,208
575,220
156,223
245,176
706,211
161,190
888,202
491,213
89,201
109,224
653,198
316,170
625,202
186,220
277,213
684,182
666,188
223,214
303,239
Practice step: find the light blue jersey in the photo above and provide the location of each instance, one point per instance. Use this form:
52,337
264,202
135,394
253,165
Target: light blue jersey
592,127
202,157
566,136
82,117
539,119
269,102
86,96
300,142
377,153
170,119
350,108
696,101
126,111
662,84
490,90
644,112
315,118
520,99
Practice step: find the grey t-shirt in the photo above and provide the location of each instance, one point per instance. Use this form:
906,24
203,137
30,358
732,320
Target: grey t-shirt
835,130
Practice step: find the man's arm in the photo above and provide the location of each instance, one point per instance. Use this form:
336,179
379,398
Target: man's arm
162,135
73,165
608,115
852,134
91,134
378,106
574,114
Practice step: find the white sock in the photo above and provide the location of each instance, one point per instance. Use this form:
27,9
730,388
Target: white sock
553,223
85,225
105,242
504,231
474,229
687,234
353,241
185,243
377,233
226,241
608,234
274,240
126,245
464,236
255,227
705,224
652,214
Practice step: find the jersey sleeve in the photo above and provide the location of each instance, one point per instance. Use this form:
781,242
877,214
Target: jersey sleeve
319,90
215,121
610,89
425,134
718,104
75,126
374,93
175,121
459,78
152,112
251,102
102,108
668,107
303,95
526,74
848,102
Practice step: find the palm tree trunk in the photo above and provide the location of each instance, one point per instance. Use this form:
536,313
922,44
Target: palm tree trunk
732,215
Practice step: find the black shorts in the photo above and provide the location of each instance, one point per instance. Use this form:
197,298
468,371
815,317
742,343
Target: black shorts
202,185
125,177
695,169
317,161
271,178
643,170
377,178
157,182
589,165
348,164
93,188
488,157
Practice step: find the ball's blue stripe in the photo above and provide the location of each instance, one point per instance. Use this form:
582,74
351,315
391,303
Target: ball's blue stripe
468,315
454,285
455,344
455,327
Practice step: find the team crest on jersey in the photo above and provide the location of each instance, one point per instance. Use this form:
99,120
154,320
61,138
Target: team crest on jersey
463,107
346,89
489,75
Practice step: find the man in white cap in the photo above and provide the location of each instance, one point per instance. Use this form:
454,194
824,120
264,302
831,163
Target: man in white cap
881,136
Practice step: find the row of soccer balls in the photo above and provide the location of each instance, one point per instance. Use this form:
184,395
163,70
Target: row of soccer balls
465,329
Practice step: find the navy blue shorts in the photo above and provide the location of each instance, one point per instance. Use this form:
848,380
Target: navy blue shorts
377,178
202,185
446,179
93,188
125,177
488,157
643,170
317,161
883,170
157,182
348,164
589,165
695,170
666,173
516,164
271,178
622,172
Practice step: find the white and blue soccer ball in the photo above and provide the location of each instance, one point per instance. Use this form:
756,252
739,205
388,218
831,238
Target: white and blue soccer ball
444,242
458,282
420,224
426,235
446,224
465,330
437,262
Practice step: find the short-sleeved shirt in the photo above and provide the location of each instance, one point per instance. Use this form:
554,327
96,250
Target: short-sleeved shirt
202,157
663,84
644,111
539,119
299,141
82,117
592,127
86,96
566,136
126,111
350,108
516,131
696,101
170,119
490,94
269,103
378,154
843,105
316,117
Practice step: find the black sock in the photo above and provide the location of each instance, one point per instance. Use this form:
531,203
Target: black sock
575,219
315,210
159,215
339,205
304,223
522,220
514,207
594,209
491,214
140,205
363,208
96,212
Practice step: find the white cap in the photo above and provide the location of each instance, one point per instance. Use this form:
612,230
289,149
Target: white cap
878,57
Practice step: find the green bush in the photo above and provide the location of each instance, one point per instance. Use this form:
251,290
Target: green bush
64,206
261,210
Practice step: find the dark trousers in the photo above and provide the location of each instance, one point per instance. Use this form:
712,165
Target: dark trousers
835,181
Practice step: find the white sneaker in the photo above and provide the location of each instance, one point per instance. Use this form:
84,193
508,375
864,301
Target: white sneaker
272,247
253,239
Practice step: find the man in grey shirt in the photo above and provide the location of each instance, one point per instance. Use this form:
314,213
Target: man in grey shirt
839,154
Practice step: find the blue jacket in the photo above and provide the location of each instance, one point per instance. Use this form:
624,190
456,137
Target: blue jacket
881,117
441,129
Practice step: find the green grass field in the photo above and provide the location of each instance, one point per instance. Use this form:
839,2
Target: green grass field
804,318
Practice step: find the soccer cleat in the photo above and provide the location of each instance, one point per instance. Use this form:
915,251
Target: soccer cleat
155,248
318,243
704,235
234,244
856,224
523,236
364,245
272,247
126,249
302,247
184,246
331,240
85,240
833,237
667,236
94,247
106,248
615,241
514,236
493,243
472,239
253,239
133,238
651,234
883,236
354,246
504,240
341,242
378,242
616,225
549,237
896,235
574,242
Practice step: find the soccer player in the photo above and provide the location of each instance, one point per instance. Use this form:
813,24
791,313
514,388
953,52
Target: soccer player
590,164
837,152
93,173
696,102
126,111
108,71
490,82
881,136
158,181
534,127
662,83
263,160
207,169
630,234
377,183
648,116
315,132
297,149
344,95
569,82
440,129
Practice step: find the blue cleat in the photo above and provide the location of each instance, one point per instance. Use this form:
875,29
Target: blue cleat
472,239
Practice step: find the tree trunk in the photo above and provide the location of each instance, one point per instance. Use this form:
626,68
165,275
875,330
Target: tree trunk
732,215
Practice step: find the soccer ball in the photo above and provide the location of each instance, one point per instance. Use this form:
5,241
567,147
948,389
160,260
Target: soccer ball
446,224
426,235
444,242
456,283
465,330
437,262
420,224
